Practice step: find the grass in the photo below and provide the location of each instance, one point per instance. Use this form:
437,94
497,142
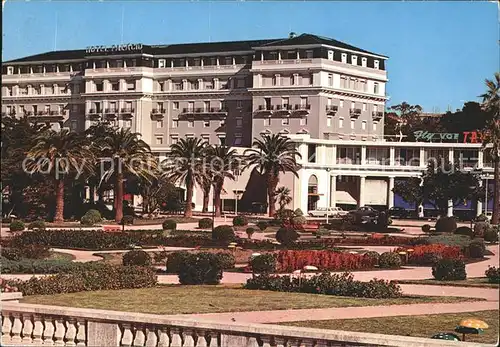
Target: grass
60,256
177,299
416,326
481,282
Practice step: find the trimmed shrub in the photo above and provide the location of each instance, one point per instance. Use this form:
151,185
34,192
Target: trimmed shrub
262,225
480,228
104,277
37,225
29,252
326,284
449,270
426,228
298,212
240,221
205,223
91,217
476,249
169,224
389,260
127,220
289,261
45,266
200,268
446,225
372,254
284,215
491,235
298,221
493,274
226,260
250,231
174,261
264,263
136,257
287,236
481,218
429,254
449,240
223,233
16,225
464,231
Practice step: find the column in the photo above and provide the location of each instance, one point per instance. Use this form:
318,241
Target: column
392,156
333,191
361,201
480,158
334,154
363,155
450,155
422,157
479,202
298,54
450,208
390,196
279,55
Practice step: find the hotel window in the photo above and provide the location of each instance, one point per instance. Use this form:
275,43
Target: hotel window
267,122
376,64
159,124
174,139
353,123
162,63
341,103
348,155
303,121
303,101
377,155
344,57
374,108
74,125
343,82
239,123
223,85
128,105
329,101
10,70
175,105
285,102
375,88
363,62
191,105
196,62
228,61
362,86
206,105
206,124
159,140
46,108
119,63
374,126
311,79
467,158
407,157
354,59
239,104
435,155
329,121
330,80
177,86
330,55
363,125
309,54
190,124
275,80
22,110
99,87
237,138
115,86
353,105
364,107
175,123
128,123
285,121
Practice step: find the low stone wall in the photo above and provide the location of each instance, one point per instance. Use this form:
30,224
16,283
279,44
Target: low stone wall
11,296
36,325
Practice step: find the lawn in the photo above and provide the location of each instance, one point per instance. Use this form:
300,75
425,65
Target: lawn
60,256
417,326
469,282
176,299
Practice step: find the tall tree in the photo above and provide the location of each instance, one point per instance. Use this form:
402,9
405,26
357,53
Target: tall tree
471,117
491,103
223,163
60,154
272,155
127,155
185,165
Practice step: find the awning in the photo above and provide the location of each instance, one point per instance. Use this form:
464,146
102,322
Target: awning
343,197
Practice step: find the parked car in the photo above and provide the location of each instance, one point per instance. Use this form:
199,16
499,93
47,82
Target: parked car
363,214
330,211
398,212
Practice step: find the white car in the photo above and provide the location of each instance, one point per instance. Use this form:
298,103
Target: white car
330,211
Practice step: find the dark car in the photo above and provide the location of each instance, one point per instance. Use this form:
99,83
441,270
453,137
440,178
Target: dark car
363,214
398,212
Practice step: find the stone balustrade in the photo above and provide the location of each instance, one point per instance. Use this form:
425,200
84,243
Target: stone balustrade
37,325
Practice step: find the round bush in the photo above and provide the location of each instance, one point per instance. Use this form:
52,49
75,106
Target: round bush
389,260
223,233
205,223
426,228
169,224
137,258
174,261
16,225
449,270
464,231
446,225
240,221
491,235
265,263
284,215
299,221
37,225
431,258
298,212
250,231
372,254
476,249
91,217
287,236
481,218
493,274
127,220
262,225
480,228
200,268
226,260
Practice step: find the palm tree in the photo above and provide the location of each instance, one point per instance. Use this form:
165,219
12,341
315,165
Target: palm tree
222,164
283,196
491,103
128,155
273,154
206,186
184,165
60,154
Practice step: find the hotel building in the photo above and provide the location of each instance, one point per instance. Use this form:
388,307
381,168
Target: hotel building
327,95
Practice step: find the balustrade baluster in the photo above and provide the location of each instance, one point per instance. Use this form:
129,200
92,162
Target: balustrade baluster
188,337
293,343
17,327
266,341
140,338
59,332
321,343
306,343
70,332
27,329
6,328
128,336
81,336
214,339
48,333
252,342
176,337
37,330
151,338
279,342
202,341
163,338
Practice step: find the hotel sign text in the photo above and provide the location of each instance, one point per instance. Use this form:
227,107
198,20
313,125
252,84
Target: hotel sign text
114,48
466,136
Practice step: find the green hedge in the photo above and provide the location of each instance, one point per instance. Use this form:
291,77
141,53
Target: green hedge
41,266
201,268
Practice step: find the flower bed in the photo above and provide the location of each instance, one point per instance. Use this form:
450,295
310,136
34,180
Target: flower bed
429,254
289,261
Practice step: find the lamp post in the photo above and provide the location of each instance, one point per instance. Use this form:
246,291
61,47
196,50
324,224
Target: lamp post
327,193
213,212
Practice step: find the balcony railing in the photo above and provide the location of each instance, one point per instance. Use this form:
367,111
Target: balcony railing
200,110
377,115
127,110
298,107
355,112
158,111
331,109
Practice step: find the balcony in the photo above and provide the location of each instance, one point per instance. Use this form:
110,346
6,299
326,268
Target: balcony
263,110
110,111
127,112
377,115
200,110
355,112
331,109
47,115
158,113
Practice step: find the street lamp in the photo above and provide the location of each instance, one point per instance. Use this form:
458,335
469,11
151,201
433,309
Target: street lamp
328,193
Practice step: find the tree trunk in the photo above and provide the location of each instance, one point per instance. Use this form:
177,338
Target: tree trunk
119,197
217,199
206,198
59,215
188,210
145,204
495,219
92,194
272,183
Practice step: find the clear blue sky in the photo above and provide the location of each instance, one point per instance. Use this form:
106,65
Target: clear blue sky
439,52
